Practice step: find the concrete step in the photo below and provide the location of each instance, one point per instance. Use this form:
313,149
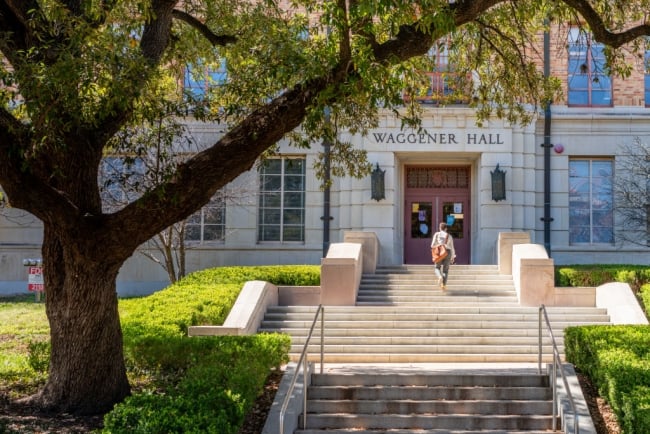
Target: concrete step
553,312
477,319
438,393
425,357
429,421
440,315
403,319
373,376
412,431
428,401
469,324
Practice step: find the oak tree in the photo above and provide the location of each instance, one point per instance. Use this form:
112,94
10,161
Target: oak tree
76,73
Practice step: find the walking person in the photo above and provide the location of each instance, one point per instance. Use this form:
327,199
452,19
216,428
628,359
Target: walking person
442,267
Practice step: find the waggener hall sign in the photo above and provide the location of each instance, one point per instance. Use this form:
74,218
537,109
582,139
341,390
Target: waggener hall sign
426,137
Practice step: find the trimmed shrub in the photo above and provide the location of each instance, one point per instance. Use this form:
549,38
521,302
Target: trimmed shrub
596,275
200,384
216,383
644,295
636,410
617,359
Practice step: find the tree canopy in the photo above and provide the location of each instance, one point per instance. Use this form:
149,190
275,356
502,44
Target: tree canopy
76,74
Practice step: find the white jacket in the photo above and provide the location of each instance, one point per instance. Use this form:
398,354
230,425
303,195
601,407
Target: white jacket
443,237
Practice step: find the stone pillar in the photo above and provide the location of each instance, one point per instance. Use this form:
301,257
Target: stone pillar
340,274
533,273
504,249
369,245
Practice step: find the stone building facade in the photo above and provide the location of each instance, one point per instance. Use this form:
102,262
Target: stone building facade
561,194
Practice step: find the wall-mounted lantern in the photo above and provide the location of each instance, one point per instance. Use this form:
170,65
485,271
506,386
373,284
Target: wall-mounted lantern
498,184
377,189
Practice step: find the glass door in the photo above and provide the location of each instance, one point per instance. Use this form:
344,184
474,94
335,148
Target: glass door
419,230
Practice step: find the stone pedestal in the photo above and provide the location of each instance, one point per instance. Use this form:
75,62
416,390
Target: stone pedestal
340,274
504,249
370,246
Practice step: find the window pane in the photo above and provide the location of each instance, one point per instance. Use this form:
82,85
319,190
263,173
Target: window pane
603,235
282,213
588,83
603,218
591,219
272,166
646,78
207,224
602,168
294,200
293,216
294,166
271,183
294,183
601,98
269,233
270,200
192,233
270,216
579,81
194,219
578,98
213,215
578,168
213,233
293,233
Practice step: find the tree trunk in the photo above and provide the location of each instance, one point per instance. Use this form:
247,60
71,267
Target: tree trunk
87,372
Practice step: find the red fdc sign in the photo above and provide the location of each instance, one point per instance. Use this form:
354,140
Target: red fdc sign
35,279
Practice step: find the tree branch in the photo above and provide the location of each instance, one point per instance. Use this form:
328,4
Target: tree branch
13,25
600,30
410,41
345,50
217,40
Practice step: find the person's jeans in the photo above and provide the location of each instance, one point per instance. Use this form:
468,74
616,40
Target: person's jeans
442,268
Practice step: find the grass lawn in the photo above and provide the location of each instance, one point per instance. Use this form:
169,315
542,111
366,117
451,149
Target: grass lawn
22,323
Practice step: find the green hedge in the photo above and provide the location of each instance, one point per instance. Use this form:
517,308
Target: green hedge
644,296
200,384
617,359
596,275
219,379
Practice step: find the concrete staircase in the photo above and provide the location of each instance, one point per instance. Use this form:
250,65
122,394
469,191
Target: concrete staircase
402,316
404,402
410,358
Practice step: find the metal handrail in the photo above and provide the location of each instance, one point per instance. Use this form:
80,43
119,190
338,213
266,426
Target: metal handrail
556,362
303,360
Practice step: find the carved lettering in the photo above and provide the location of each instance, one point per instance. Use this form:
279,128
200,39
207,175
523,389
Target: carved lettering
427,138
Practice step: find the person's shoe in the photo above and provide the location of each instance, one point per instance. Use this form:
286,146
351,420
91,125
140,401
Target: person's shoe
443,286
440,281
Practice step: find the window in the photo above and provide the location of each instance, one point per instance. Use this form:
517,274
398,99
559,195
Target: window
443,83
199,78
591,218
208,224
282,200
589,84
121,181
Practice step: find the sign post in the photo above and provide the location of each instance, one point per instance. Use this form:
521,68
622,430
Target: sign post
35,282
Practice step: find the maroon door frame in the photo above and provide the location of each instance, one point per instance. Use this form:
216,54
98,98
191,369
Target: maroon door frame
434,198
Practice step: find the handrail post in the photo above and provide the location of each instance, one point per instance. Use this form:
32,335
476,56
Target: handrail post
304,382
322,337
539,342
557,363
303,362
555,403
